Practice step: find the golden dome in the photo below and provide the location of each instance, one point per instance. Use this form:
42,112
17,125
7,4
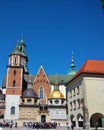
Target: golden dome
56,94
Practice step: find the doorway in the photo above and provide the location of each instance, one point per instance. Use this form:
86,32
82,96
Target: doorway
43,118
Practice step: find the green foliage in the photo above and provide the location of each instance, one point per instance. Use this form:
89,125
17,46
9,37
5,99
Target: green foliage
102,1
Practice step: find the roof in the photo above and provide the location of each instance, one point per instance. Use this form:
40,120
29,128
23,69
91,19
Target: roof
29,93
56,94
20,49
91,66
4,81
61,79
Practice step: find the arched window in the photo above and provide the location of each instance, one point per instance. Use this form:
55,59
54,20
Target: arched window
15,60
20,48
41,93
14,83
14,72
12,110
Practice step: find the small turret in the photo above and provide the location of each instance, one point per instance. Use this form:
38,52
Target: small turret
72,65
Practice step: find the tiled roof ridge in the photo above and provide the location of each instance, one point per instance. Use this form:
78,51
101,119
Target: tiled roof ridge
91,66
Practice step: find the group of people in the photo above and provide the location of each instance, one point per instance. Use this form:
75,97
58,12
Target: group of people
41,125
9,124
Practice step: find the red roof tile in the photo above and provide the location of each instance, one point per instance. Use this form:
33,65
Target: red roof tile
91,66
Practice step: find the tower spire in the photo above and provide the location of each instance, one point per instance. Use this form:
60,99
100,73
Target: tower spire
72,65
21,59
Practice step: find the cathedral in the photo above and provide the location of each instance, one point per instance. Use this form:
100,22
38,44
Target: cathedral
39,97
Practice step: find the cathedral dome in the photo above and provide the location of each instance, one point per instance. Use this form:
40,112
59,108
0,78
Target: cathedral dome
29,93
56,94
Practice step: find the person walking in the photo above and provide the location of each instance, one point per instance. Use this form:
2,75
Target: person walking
67,126
72,126
1,128
96,126
15,124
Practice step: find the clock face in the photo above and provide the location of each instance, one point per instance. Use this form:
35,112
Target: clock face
56,101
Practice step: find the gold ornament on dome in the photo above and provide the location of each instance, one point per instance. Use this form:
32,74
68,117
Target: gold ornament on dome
56,94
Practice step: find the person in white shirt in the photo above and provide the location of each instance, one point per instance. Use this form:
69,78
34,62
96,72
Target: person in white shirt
67,126
1,128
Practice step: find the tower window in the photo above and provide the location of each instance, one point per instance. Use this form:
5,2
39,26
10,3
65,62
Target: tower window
28,100
20,48
12,110
20,60
23,100
51,101
56,101
14,73
62,101
41,93
14,83
14,60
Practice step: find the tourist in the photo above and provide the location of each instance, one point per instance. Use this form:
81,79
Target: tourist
67,126
72,126
0,127
96,126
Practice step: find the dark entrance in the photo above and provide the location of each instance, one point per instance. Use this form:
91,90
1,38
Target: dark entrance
97,117
43,118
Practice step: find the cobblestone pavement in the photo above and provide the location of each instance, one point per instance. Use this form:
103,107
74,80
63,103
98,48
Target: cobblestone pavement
58,128
23,128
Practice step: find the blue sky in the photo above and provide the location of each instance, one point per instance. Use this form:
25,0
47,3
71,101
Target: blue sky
52,29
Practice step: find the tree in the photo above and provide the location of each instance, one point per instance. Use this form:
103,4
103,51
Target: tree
102,1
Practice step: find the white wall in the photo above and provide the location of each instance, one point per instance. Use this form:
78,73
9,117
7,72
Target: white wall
94,88
57,113
12,100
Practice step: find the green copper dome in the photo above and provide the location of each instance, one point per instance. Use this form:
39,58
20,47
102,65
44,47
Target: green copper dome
20,48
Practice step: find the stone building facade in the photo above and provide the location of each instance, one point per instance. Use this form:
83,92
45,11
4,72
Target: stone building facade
85,94
28,97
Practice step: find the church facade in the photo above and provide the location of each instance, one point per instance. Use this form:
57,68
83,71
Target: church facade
39,97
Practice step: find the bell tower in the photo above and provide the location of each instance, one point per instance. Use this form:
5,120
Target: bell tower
16,68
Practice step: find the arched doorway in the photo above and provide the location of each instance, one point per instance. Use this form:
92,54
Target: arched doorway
96,117
72,118
43,118
80,120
